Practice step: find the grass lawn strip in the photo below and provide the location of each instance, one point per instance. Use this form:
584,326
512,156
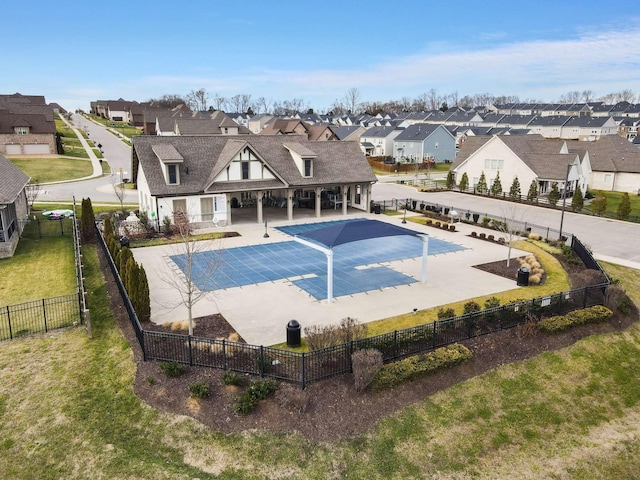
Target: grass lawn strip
46,170
39,268
67,408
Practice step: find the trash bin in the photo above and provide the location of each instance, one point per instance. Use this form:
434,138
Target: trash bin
124,241
523,277
376,209
293,333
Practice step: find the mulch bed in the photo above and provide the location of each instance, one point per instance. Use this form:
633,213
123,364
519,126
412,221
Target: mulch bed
331,409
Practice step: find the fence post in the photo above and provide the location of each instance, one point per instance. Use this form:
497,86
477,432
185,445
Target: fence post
224,353
395,344
435,333
303,372
190,351
261,361
44,314
9,321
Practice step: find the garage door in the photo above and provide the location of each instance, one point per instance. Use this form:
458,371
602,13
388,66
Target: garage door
36,149
13,149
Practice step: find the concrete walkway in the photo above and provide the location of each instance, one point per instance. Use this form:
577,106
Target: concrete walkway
95,161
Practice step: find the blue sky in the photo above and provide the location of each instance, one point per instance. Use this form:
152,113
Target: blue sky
74,52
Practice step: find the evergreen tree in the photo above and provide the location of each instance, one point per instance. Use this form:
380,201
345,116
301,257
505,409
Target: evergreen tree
108,227
577,202
123,258
599,205
554,194
144,302
482,184
132,277
532,196
624,208
514,191
496,188
88,221
464,182
451,180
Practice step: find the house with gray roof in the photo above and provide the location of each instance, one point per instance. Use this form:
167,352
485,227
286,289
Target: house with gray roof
588,128
209,177
13,206
424,142
378,141
27,125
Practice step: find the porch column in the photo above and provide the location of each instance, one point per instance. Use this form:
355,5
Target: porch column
259,195
343,191
318,191
228,200
290,192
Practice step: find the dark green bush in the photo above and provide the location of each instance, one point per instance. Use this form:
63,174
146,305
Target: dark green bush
231,378
410,368
172,369
471,307
446,313
199,390
257,390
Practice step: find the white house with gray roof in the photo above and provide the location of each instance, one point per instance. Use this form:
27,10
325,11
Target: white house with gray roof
209,177
378,141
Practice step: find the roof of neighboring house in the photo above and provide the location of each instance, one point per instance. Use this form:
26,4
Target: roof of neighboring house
12,181
417,132
37,123
335,162
343,132
516,119
587,122
378,132
549,121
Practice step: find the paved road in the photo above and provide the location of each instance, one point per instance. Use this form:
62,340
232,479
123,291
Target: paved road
609,239
100,189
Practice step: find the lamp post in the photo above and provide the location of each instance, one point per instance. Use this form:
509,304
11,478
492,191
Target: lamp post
266,235
564,199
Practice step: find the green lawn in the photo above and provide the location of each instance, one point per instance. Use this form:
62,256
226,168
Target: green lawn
614,199
53,169
40,268
121,127
67,407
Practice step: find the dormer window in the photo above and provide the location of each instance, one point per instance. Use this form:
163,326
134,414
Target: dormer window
172,174
308,167
22,130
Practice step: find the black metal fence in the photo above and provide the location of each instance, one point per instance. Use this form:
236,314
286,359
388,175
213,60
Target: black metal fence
482,219
54,312
37,227
306,367
39,316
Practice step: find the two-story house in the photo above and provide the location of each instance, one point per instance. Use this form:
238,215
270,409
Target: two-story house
422,141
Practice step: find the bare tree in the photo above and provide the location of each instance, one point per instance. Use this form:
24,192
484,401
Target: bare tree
512,219
218,101
186,278
434,99
262,105
32,191
197,99
118,188
587,95
352,100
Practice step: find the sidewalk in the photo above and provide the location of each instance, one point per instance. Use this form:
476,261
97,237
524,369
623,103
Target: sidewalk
95,161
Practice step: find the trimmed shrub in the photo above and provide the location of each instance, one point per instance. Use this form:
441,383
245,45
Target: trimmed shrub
559,323
474,234
199,390
617,300
172,369
413,367
365,364
257,390
231,378
491,238
491,302
471,307
452,228
446,313
349,329
483,236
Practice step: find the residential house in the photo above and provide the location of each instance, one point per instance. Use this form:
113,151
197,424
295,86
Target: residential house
527,157
588,128
350,133
208,177
378,141
27,125
422,141
13,206
258,122
548,126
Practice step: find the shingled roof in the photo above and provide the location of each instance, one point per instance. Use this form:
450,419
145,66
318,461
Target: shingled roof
335,162
12,181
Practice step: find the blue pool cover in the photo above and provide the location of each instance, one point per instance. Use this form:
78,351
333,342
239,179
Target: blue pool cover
357,265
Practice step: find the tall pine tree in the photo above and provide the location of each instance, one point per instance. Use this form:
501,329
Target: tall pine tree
532,196
496,187
464,182
482,184
577,202
514,191
554,194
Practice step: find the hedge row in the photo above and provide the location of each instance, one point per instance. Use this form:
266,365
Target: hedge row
559,323
411,368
